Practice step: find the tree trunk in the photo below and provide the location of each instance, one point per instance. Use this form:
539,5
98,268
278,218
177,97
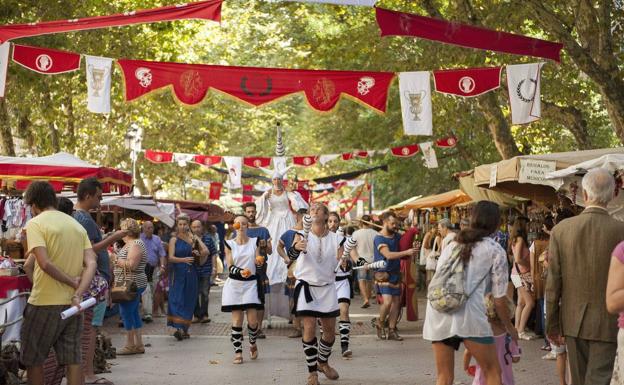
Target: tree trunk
24,131
8,148
499,126
54,137
572,119
70,142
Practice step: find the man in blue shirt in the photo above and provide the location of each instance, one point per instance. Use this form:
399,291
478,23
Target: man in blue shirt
156,264
205,272
266,248
388,279
89,197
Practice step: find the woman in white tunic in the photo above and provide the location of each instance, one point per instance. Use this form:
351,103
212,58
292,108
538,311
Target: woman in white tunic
485,265
240,292
315,292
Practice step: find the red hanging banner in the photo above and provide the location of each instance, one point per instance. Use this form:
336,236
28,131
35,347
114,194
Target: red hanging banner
247,193
448,142
393,23
467,82
304,161
215,191
45,61
362,154
347,156
207,10
257,161
256,86
405,151
207,160
159,156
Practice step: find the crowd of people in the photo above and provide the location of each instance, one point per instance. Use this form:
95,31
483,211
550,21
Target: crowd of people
557,275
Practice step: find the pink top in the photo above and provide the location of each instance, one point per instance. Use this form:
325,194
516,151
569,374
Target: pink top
619,254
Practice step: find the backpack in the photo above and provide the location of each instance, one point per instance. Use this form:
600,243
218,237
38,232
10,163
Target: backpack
447,292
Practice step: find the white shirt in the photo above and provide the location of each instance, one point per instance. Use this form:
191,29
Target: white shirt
317,266
488,260
244,256
365,243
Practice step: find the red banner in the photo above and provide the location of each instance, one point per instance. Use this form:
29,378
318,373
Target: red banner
304,161
257,161
361,154
215,191
449,142
405,151
347,156
45,61
256,86
207,160
207,10
159,156
393,23
247,193
467,82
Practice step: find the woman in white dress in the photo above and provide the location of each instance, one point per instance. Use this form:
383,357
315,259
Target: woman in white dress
485,265
276,210
240,292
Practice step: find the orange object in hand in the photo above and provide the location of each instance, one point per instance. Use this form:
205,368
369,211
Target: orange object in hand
236,226
245,273
259,260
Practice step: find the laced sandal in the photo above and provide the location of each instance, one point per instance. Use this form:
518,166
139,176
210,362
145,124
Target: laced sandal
178,335
381,331
139,349
393,335
313,379
328,371
127,351
253,351
238,360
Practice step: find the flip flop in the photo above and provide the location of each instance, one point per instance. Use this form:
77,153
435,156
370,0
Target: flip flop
100,381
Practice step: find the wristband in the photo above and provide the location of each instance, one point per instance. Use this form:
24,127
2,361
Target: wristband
293,253
360,262
234,270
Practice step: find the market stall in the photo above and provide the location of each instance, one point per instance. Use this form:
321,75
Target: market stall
525,176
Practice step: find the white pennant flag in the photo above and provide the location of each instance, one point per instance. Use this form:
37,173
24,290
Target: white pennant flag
4,61
431,161
415,90
324,159
234,166
183,159
99,84
523,83
367,3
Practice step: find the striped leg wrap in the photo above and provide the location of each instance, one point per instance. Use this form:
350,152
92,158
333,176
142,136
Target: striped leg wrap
324,349
237,339
345,329
252,334
310,350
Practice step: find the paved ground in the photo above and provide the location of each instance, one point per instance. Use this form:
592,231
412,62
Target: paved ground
206,357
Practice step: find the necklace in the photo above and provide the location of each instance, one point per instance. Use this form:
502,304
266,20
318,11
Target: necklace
319,257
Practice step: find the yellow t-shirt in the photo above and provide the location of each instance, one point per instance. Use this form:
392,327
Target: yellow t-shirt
65,241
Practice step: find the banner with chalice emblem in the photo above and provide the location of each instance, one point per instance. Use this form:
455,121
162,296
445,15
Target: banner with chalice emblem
98,84
415,92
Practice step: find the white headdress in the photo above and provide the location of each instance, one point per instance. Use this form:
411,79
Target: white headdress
279,163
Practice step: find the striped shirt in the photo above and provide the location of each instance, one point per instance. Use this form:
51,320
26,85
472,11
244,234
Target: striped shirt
138,274
205,270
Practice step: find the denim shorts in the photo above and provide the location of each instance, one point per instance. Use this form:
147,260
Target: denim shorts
455,341
98,314
364,275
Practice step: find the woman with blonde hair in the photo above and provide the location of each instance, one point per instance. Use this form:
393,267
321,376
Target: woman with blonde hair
129,265
186,252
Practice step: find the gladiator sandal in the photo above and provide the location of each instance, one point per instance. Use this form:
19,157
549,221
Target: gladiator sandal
393,335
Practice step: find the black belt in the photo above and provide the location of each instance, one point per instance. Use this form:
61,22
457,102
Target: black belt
239,278
342,277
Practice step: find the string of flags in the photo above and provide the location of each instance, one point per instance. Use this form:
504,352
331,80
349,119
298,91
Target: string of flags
322,88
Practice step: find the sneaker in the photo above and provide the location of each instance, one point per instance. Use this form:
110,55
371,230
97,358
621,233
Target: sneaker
346,352
148,319
261,335
527,336
550,356
296,333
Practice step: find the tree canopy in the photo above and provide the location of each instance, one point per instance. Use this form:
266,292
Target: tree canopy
583,96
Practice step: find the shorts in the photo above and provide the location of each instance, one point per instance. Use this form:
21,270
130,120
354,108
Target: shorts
364,275
98,314
455,341
43,329
395,278
517,282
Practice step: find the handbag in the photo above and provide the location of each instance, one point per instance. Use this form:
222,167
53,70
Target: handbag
125,291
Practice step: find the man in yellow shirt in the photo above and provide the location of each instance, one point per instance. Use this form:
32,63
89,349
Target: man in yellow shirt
65,265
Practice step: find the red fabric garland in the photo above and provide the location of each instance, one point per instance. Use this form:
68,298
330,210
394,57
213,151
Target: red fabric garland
256,86
207,160
467,82
44,60
159,156
393,23
257,161
207,10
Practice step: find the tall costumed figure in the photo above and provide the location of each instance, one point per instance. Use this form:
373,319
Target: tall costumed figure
276,210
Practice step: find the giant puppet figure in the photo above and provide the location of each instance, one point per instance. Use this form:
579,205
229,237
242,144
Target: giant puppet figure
276,211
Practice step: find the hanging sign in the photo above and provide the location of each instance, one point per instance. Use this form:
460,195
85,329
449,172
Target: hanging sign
534,171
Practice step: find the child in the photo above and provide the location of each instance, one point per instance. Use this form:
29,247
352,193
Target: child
507,350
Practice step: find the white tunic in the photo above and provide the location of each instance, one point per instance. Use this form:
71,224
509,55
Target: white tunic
317,268
241,294
489,260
